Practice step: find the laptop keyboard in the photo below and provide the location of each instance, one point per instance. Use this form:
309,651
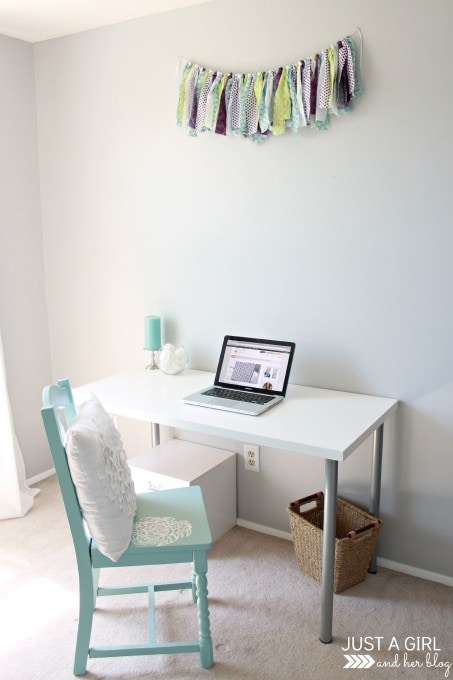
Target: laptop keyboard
238,396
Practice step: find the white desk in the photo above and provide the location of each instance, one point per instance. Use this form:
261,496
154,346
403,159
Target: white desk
327,424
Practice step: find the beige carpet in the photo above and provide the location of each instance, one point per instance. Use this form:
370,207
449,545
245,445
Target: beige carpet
264,613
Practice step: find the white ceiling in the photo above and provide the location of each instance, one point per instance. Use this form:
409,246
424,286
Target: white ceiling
36,20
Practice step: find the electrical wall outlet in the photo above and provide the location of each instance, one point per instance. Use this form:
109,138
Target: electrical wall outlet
252,457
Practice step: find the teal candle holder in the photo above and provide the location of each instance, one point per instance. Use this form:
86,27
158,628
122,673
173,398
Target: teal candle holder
153,363
152,339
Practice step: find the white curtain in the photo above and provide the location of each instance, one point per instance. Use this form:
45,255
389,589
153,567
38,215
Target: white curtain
16,498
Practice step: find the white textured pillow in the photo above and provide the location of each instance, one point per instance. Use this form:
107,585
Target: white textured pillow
102,478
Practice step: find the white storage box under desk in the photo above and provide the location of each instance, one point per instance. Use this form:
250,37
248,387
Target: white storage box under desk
178,463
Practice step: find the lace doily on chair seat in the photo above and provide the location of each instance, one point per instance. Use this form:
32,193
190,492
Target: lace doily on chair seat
160,530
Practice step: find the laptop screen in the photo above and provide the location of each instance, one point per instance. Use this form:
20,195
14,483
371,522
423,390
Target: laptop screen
255,365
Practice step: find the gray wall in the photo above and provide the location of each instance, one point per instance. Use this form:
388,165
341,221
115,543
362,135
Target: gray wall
353,224
23,314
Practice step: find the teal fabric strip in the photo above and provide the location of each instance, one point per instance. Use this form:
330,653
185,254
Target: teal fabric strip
291,74
358,89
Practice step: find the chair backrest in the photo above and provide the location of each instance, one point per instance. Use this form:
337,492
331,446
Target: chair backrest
57,412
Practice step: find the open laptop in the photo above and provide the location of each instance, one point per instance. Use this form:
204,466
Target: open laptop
252,376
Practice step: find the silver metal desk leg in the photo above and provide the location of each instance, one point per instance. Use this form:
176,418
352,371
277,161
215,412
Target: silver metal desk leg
155,434
376,473
328,549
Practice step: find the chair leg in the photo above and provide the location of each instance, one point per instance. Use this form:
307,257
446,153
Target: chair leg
87,598
95,575
194,585
200,567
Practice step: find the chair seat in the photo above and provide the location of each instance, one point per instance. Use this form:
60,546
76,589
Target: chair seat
174,522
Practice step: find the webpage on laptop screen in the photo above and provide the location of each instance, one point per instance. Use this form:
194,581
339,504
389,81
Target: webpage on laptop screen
252,365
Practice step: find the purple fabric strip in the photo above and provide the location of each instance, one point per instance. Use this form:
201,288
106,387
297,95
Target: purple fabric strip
193,112
344,95
345,78
220,128
314,86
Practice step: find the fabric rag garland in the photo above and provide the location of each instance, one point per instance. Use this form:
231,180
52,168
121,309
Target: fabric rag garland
256,105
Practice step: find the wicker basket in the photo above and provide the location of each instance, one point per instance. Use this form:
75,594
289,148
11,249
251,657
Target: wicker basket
356,536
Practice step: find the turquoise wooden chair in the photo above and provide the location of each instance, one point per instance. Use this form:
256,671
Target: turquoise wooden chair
58,412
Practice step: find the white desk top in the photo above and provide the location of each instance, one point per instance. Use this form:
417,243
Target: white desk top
317,422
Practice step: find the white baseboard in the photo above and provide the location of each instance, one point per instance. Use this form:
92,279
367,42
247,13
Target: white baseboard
264,530
387,564
40,477
415,571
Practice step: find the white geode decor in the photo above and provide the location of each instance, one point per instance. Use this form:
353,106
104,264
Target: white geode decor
172,359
